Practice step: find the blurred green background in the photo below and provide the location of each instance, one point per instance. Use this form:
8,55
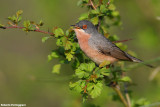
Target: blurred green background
25,74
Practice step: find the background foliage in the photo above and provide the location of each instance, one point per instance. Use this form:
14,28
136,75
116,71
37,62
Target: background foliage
25,72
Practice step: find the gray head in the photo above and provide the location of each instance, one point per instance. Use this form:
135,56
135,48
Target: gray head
87,26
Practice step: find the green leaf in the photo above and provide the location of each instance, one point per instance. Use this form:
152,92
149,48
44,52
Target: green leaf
83,83
90,86
58,32
50,57
12,18
41,23
56,68
74,46
112,7
115,13
105,29
83,66
95,11
65,61
67,32
64,40
90,67
79,2
69,56
45,38
94,20
96,90
84,97
9,18
105,71
125,79
76,63
19,19
82,2
87,66
27,26
59,42
81,74
19,12
76,86
103,9
142,102
67,45
83,16
82,70
54,54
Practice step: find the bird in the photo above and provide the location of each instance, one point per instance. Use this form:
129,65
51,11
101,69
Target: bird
99,48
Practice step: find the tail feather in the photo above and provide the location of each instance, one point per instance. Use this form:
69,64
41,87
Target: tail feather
134,59
149,65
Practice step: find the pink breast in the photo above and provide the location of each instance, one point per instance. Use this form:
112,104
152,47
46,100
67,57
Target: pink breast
91,53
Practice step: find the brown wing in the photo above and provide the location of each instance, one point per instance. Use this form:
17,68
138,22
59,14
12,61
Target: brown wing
105,46
115,52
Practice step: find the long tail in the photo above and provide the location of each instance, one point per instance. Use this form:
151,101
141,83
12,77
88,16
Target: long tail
134,59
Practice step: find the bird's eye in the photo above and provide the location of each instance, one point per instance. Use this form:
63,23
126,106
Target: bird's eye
84,26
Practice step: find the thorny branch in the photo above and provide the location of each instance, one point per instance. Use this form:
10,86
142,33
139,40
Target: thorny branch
18,27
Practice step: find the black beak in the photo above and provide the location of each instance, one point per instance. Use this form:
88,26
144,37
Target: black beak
75,26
